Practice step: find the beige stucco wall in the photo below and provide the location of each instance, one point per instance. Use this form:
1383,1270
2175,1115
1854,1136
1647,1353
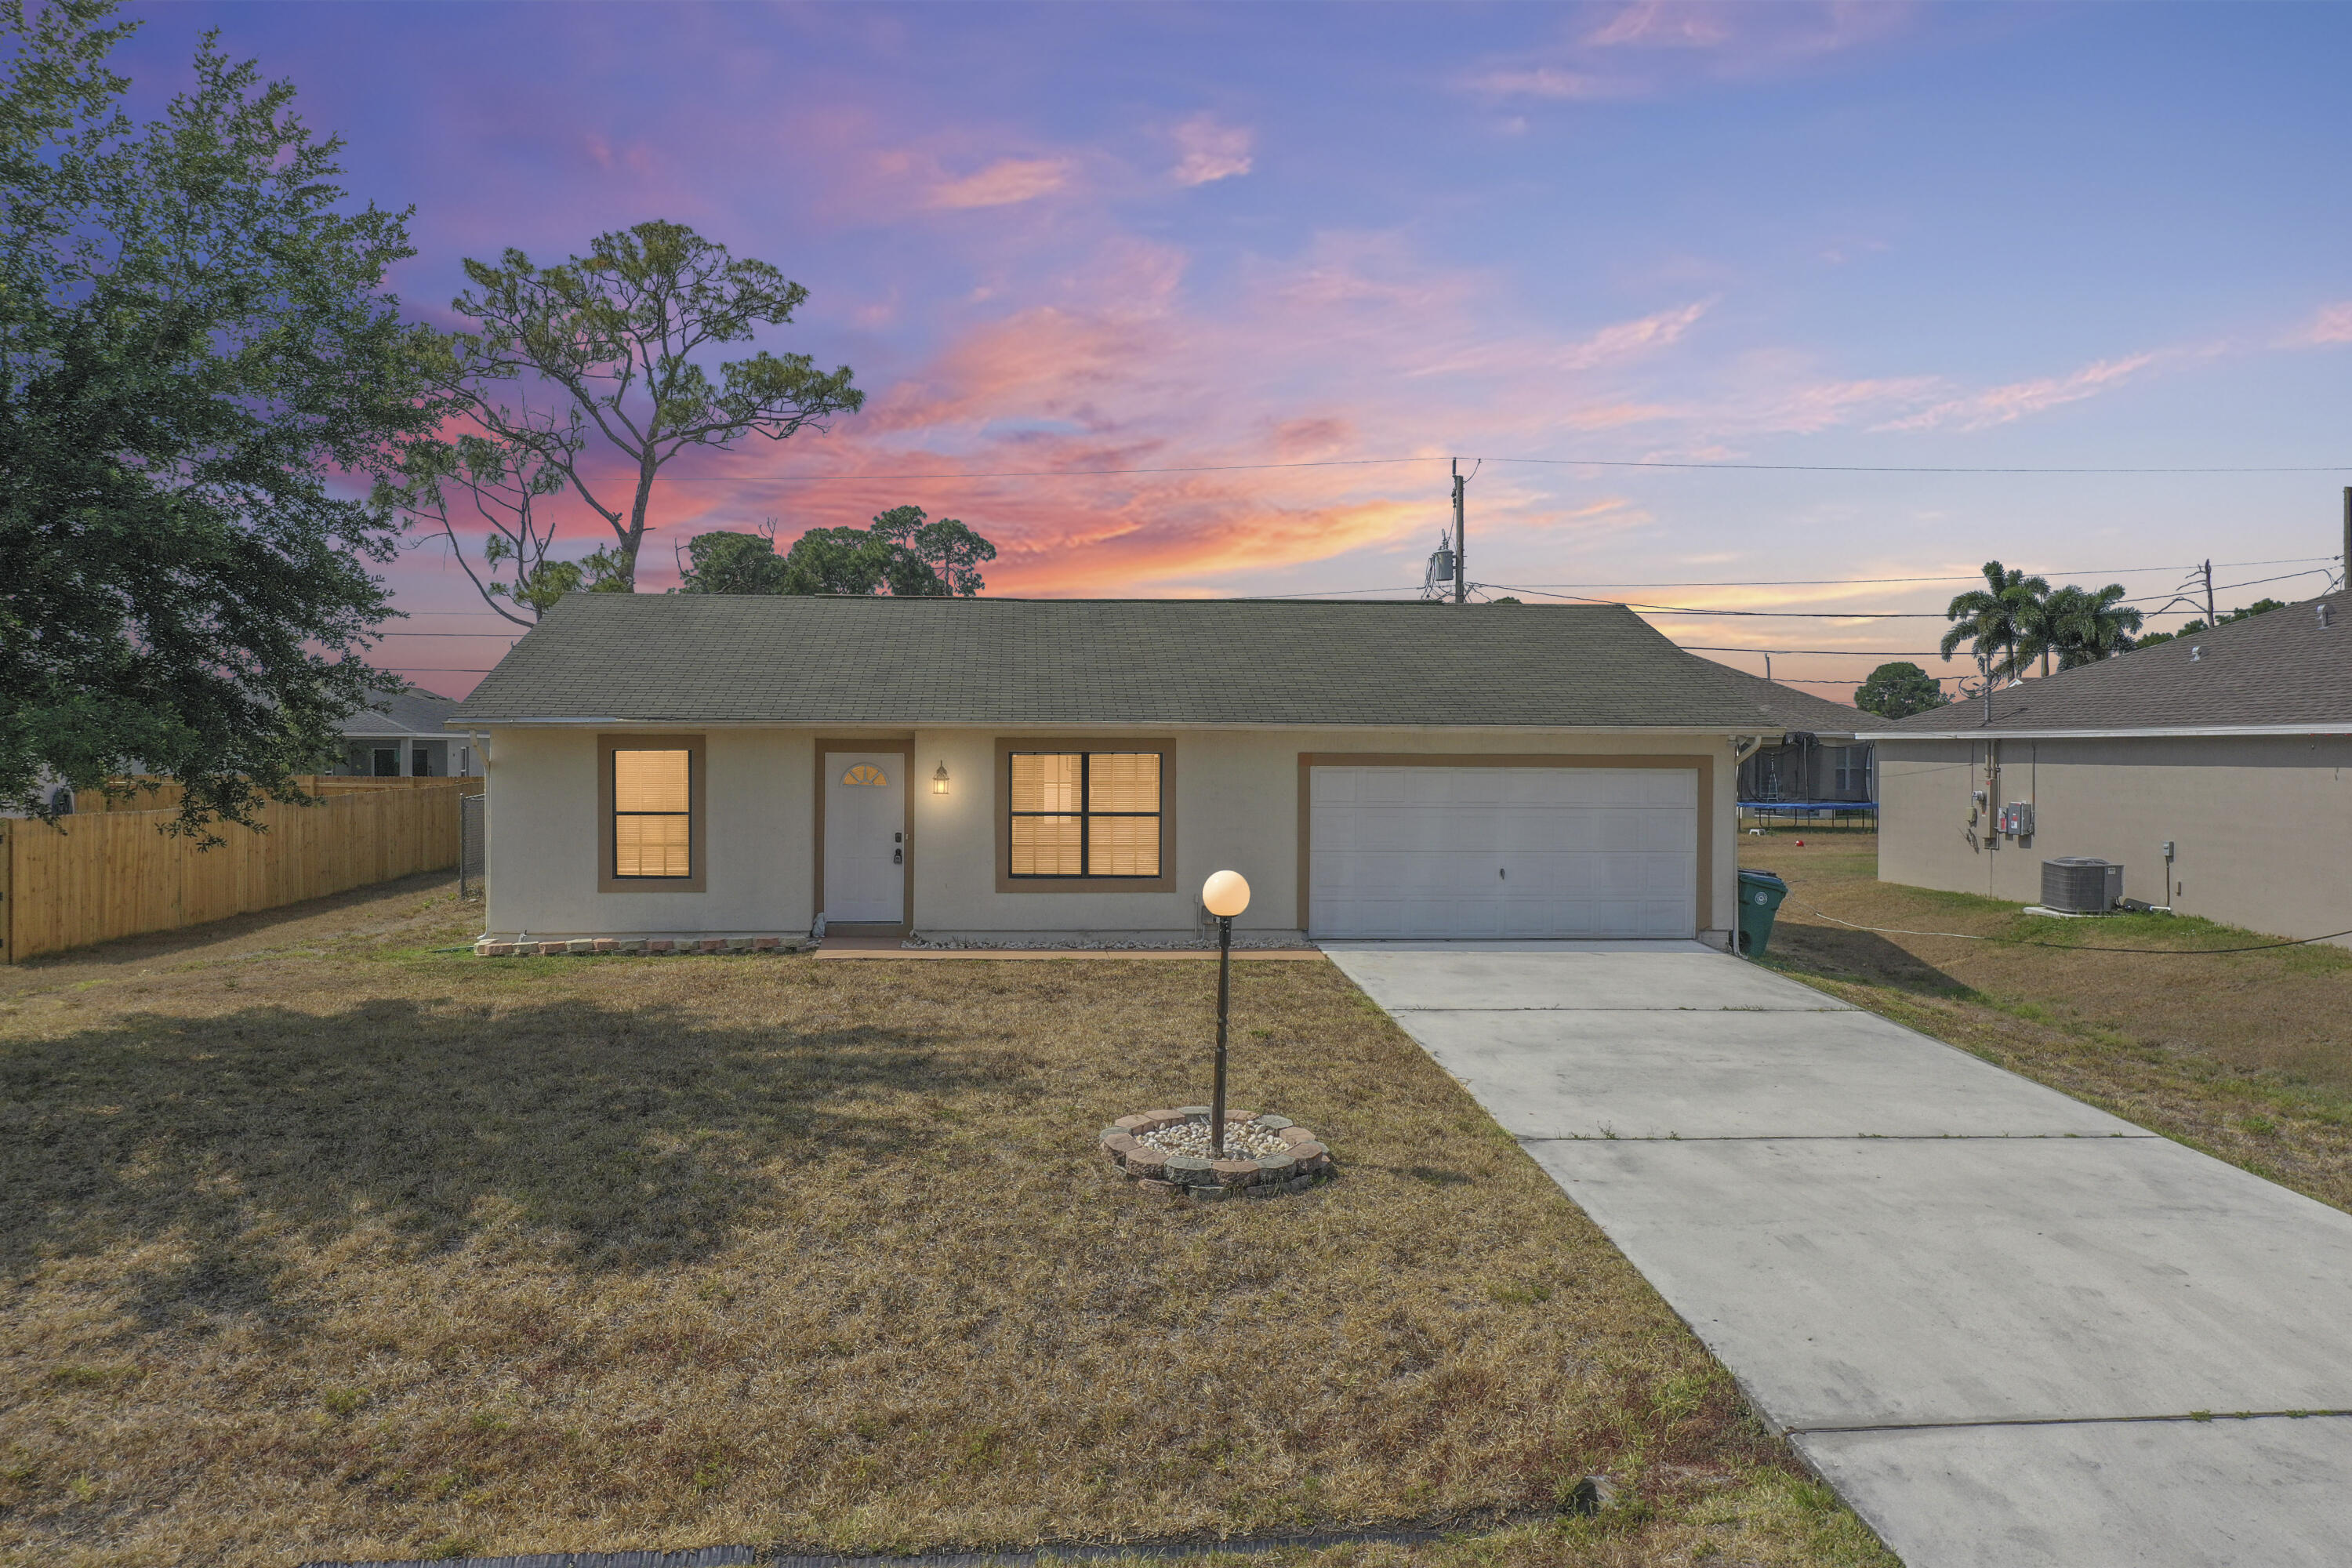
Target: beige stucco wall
543,839
2262,825
1236,805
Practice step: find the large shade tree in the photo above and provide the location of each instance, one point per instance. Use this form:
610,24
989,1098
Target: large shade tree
1897,691
902,554
196,343
587,379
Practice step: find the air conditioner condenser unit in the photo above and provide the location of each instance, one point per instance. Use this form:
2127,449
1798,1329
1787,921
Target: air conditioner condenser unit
2081,885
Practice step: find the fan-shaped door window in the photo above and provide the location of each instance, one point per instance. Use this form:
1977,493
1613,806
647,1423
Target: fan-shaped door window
865,775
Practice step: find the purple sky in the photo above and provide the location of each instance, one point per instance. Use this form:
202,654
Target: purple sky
1160,237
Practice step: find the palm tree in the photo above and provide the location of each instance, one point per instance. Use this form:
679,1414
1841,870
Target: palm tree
1999,619
2087,627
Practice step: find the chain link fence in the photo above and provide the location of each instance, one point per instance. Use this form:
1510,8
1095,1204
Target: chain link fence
473,844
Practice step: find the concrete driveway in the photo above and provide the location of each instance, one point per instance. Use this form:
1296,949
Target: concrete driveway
2010,1329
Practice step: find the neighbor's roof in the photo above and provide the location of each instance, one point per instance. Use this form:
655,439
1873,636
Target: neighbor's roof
695,658
414,712
1790,709
2278,672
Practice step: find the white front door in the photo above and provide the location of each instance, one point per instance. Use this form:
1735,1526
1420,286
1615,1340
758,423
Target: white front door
864,837
1504,852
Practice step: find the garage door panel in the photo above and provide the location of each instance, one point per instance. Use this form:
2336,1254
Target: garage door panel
1503,852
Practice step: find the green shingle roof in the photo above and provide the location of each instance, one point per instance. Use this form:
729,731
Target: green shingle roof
693,659
2285,668
1794,709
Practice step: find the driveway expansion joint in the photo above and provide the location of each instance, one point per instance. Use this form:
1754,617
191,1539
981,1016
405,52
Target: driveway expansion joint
2194,1417
1835,1137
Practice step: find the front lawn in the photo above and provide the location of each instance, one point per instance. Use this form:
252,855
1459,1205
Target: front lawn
318,1243
2246,1056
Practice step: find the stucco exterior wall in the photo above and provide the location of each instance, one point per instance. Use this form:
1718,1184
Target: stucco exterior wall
1236,805
544,838
2262,825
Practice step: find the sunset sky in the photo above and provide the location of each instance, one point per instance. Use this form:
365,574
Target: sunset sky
1147,237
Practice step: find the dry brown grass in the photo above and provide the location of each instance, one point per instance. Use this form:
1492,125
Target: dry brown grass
2246,1056
316,1242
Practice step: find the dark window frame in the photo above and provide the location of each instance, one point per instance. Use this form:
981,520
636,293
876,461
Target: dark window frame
1161,746
698,843
1086,814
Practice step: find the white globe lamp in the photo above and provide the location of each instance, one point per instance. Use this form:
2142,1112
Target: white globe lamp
1224,895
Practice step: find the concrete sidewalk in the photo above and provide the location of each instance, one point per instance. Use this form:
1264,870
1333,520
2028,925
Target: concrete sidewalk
2010,1329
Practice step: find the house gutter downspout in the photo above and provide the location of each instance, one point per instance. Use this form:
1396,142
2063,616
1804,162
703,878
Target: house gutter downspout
481,740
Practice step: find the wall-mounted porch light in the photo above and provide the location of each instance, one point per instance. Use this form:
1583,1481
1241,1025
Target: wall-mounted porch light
940,780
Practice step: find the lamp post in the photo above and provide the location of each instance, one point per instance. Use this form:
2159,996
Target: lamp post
1225,894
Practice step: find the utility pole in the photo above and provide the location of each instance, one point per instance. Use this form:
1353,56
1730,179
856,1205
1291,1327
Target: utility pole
2211,618
2346,580
1461,573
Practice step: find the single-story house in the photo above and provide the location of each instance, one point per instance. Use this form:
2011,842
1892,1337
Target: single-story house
1823,756
403,735
2216,769
717,765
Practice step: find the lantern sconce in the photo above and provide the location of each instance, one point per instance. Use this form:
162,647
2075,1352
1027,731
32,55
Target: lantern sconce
940,780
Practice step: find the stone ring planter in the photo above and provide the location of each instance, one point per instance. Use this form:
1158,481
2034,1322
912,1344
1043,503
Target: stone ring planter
1269,1155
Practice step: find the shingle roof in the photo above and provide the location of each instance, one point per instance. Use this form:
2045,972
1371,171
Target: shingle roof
414,712
2278,670
716,659
1794,709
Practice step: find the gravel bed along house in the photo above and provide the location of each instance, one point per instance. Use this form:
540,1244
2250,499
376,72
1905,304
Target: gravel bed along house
1102,944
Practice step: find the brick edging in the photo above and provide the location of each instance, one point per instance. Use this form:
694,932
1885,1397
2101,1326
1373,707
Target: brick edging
1307,1163
637,946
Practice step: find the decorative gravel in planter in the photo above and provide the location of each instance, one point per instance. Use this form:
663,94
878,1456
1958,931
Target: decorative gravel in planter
1169,1151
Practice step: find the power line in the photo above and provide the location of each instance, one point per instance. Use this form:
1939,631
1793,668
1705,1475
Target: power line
1847,652
1682,610
1042,473
1908,468
1547,462
1955,577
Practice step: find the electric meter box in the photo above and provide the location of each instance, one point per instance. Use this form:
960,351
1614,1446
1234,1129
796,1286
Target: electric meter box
2016,819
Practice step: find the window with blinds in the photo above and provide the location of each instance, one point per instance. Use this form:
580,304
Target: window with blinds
1086,814
652,813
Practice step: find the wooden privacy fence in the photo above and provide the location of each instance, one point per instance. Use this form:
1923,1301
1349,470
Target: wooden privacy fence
154,795
95,876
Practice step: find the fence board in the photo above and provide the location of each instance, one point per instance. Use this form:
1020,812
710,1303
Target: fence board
102,875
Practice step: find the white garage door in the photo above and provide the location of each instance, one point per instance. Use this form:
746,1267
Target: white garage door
1504,852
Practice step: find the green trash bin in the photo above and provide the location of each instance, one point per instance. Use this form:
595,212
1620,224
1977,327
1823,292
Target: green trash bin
1760,893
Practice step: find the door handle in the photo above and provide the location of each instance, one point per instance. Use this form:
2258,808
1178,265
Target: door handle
898,856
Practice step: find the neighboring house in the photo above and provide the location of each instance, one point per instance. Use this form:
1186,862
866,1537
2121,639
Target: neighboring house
1825,757
998,768
401,736
2217,770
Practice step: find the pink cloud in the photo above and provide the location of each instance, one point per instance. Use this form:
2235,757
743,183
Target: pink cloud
1552,82
1005,182
1657,24
2008,403
1655,47
1614,344
1211,151
2330,324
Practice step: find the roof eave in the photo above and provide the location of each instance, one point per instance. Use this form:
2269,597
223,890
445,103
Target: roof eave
1081,726
2154,731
